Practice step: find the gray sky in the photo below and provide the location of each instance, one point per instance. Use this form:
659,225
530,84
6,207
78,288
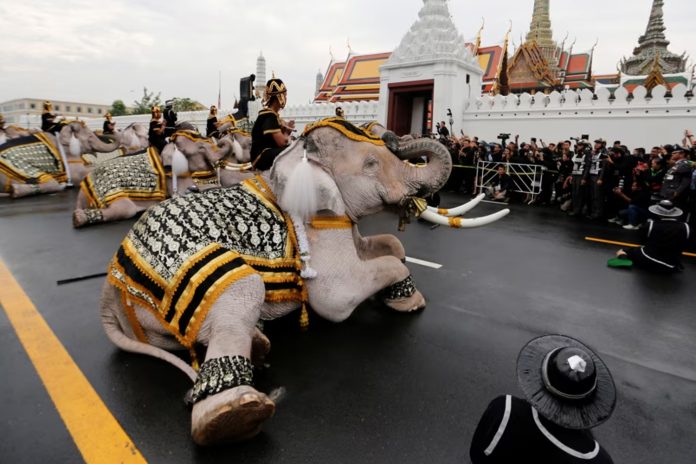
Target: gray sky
99,51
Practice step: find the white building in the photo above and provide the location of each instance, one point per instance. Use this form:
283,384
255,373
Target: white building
26,112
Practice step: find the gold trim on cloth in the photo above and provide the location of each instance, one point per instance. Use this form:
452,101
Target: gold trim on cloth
331,222
97,199
346,128
42,145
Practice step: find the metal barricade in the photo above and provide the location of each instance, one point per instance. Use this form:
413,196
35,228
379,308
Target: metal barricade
526,178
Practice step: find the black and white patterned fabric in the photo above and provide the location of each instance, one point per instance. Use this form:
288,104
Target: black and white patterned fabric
139,176
31,159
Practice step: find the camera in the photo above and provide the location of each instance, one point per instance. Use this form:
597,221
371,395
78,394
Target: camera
504,136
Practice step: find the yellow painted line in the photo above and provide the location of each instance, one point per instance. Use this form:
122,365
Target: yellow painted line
611,242
96,432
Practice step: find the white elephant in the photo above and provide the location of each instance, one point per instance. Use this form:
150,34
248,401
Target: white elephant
206,268
44,163
120,188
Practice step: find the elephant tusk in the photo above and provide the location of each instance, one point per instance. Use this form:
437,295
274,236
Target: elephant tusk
463,223
236,167
459,210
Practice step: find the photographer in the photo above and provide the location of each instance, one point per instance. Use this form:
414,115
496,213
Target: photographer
596,183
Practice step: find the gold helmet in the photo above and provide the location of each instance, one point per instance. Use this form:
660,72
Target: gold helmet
47,107
108,116
156,111
276,88
213,110
2,119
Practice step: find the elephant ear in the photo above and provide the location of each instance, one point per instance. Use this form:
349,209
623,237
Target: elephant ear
302,184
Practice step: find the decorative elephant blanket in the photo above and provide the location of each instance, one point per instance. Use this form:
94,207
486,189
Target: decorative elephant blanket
184,252
32,159
139,177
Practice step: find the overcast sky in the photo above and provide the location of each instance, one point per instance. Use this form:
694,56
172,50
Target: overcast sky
99,51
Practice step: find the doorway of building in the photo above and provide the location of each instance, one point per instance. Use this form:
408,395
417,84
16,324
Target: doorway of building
410,107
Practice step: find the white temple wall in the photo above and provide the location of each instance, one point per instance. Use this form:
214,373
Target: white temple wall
637,121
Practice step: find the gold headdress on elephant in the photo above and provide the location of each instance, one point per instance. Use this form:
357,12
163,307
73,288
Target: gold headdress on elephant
47,107
276,88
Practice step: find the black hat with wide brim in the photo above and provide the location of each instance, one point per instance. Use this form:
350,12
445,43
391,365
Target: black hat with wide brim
583,413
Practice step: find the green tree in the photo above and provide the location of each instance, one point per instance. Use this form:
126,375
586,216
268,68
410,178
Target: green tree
118,108
186,104
145,104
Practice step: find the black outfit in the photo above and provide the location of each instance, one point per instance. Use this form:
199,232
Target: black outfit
170,118
211,127
156,140
48,124
512,431
443,131
666,240
108,128
675,186
264,148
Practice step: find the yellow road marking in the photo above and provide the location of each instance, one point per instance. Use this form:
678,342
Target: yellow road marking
96,432
611,242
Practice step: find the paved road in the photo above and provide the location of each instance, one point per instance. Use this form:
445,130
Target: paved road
381,387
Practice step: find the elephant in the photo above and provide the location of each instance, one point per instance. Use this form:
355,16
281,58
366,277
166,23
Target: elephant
250,244
114,192
12,132
55,161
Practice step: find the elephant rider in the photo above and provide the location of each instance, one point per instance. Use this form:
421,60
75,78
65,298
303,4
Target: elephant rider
211,129
48,119
169,117
270,135
340,113
109,125
157,128
2,122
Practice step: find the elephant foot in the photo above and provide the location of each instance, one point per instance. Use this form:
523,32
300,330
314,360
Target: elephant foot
85,217
403,296
260,346
413,303
24,190
231,416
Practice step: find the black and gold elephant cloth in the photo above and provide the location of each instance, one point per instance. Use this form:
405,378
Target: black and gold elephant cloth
139,177
32,159
184,252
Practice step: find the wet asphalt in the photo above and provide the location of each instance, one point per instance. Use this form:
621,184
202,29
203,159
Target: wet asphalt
380,387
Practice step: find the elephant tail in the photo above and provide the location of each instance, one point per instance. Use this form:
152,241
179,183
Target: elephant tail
114,330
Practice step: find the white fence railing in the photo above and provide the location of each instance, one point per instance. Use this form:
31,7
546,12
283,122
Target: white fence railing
526,178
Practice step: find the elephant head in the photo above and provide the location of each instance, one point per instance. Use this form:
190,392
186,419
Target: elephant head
133,138
360,175
76,137
189,153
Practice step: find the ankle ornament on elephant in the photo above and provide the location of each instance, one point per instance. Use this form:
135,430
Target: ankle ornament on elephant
204,269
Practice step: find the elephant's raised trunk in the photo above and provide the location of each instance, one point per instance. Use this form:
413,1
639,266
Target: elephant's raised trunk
424,180
100,146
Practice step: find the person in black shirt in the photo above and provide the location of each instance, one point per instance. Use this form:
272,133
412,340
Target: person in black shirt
501,185
169,118
109,125
48,119
666,240
568,391
270,136
157,128
211,129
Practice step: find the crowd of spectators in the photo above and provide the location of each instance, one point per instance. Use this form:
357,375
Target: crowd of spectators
582,178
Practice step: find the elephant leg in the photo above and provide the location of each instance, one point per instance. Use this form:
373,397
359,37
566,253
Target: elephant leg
226,407
25,190
116,211
260,347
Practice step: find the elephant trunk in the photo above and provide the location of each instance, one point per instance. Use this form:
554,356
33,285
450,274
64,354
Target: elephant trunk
424,180
102,147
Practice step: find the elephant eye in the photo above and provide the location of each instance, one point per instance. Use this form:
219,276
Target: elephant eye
371,163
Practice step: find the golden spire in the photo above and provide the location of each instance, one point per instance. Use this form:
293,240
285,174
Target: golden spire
502,84
477,44
655,77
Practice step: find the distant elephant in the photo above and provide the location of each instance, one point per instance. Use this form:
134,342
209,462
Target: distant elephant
12,132
44,163
121,188
204,269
